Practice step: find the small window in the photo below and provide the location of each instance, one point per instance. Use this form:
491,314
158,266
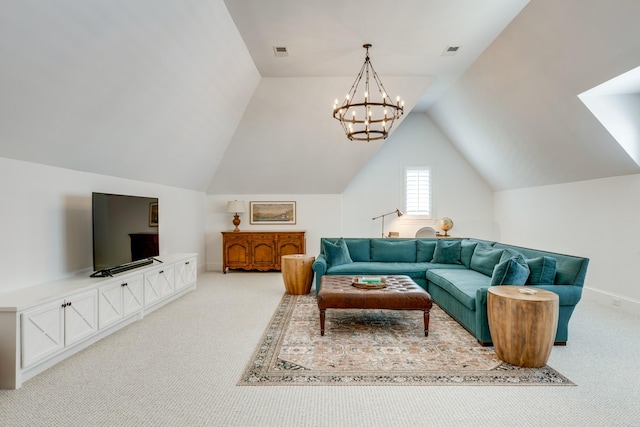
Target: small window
417,191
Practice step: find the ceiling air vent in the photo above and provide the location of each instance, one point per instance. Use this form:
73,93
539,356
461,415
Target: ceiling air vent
280,51
450,51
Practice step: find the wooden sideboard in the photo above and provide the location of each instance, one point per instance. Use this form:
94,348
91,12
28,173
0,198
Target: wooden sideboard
250,250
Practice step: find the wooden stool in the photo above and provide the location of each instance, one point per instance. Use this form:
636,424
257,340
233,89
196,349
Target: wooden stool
297,273
523,324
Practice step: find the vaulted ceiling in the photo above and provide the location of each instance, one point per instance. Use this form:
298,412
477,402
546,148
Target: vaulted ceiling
189,93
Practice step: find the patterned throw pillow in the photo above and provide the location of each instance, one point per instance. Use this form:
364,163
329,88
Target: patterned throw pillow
336,253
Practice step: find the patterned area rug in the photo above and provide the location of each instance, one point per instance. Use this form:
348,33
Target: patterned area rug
377,347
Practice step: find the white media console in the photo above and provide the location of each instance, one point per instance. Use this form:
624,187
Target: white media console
44,324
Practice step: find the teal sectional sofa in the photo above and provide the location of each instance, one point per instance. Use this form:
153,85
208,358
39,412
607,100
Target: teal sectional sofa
458,272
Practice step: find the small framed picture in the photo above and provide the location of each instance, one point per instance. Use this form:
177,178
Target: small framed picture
272,212
153,214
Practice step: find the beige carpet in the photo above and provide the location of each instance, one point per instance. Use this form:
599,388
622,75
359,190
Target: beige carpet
377,347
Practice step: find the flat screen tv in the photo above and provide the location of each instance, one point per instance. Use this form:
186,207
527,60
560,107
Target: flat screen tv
125,232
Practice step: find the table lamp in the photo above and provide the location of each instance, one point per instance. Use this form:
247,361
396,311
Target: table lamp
236,207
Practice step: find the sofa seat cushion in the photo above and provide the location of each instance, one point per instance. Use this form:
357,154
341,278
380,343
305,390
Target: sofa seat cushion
462,284
415,270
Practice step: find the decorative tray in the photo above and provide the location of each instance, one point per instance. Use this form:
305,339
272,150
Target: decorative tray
369,282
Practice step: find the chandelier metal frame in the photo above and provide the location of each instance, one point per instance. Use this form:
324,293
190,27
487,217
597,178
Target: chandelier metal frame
372,118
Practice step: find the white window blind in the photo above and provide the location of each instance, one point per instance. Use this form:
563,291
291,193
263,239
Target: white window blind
417,191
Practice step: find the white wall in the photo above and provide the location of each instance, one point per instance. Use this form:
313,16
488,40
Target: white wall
597,219
45,223
317,215
458,191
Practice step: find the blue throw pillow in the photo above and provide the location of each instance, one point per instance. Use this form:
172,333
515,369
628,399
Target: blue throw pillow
336,253
447,252
512,271
543,271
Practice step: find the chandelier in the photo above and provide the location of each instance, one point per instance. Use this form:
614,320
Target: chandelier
373,116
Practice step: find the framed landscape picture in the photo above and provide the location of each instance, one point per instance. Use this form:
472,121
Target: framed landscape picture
272,212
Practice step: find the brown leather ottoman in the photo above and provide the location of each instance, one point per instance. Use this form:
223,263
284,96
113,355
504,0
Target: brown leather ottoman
401,293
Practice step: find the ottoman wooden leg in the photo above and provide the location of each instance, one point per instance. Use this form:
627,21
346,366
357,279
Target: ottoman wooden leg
322,314
426,323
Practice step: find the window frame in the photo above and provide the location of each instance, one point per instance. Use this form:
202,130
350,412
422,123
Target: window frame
408,169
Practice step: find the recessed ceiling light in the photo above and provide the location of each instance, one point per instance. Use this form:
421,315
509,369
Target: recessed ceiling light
280,51
450,51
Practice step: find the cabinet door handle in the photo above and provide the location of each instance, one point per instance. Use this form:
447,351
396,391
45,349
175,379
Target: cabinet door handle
124,284
161,272
186,263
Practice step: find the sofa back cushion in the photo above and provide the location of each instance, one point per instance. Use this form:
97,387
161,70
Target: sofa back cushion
543,270
485,258
388,250
424,250
447,252
336,253
466,251
570,270
359,249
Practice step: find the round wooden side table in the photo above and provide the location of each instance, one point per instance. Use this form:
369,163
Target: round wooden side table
297,273
523,323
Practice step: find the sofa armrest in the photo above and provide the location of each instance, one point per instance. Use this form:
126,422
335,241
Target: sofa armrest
567,294
320,265
320,269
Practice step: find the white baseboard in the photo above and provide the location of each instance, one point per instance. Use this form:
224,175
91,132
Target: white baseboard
608,299
214,266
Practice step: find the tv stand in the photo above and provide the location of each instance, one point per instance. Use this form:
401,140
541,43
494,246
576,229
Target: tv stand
109,272
43,324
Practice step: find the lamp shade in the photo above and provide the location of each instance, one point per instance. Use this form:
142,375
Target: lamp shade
235,206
